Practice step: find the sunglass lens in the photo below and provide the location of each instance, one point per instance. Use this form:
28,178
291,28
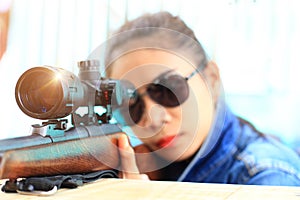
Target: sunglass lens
170,91
136,109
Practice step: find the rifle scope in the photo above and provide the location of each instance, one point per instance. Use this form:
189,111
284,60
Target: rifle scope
47,92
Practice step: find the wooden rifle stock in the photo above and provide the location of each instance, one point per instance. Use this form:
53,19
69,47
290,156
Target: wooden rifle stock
66,157
74,153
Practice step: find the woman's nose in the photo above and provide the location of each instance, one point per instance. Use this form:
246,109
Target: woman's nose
155,115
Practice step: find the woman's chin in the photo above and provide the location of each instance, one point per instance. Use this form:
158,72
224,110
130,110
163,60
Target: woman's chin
173,154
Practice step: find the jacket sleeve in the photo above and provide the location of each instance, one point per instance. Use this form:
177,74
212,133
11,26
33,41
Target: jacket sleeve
274,177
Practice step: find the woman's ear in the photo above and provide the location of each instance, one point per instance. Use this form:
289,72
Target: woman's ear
211,73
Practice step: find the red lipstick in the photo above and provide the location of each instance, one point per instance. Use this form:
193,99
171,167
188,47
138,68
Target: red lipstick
165,141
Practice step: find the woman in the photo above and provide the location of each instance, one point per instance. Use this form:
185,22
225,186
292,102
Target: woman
179,113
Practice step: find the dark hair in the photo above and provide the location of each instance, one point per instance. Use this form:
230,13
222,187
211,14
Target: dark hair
159,30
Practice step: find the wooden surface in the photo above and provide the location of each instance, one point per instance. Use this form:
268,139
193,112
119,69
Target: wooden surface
121,189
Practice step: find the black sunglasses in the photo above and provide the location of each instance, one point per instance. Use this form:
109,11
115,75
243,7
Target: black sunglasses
169,90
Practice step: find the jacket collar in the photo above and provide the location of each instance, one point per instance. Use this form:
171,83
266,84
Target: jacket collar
223,120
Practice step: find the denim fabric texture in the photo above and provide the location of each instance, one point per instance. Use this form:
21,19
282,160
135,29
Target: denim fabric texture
243,156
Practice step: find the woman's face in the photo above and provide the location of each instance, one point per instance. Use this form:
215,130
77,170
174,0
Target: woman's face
175,133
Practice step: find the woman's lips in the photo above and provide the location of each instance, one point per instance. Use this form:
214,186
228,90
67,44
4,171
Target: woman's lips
165,141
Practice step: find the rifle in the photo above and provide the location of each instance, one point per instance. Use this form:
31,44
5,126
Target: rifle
54,94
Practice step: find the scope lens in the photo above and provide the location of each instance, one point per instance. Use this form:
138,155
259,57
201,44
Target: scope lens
42,93
39,91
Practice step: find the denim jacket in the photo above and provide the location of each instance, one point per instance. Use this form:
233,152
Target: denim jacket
237,154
